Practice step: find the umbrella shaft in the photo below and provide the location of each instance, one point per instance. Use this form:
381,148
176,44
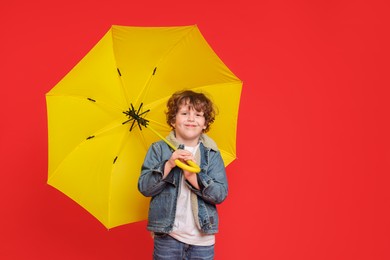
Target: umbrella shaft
163,138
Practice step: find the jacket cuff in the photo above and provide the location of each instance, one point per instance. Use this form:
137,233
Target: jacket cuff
200,183
170,177
203,180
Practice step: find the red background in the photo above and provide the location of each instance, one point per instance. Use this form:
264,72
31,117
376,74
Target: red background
312,176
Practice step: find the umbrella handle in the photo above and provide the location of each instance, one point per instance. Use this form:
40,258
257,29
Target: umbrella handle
191,166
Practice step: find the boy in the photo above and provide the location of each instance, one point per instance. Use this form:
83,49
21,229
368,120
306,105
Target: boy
182,212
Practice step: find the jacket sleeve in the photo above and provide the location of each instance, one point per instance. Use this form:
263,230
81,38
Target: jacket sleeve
151,182
213,181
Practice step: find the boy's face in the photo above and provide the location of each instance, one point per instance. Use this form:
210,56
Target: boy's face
189,124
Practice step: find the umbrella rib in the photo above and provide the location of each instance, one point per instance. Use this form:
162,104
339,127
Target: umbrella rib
148,83
126,133
125,93
146,87
97,102
107,128
88,138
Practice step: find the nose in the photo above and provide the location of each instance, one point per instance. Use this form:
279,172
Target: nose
191,116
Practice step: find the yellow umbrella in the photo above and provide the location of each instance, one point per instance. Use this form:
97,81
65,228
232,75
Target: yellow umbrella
94,158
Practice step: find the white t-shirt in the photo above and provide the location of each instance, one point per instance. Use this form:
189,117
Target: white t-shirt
184,227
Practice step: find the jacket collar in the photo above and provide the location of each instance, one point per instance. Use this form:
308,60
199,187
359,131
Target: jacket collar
204,139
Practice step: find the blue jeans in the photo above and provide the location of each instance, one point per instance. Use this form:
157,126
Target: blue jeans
168,248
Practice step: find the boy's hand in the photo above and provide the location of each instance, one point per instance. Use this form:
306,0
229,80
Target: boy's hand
180,154
191,178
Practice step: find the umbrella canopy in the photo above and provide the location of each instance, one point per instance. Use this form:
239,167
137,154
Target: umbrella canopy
93,157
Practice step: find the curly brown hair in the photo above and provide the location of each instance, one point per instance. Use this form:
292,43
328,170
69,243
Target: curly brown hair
196,100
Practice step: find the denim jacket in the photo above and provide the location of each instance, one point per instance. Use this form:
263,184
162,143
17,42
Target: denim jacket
164,192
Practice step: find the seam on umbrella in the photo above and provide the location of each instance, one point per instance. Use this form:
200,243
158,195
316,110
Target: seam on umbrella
90,99
147,84
91,136
123,142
